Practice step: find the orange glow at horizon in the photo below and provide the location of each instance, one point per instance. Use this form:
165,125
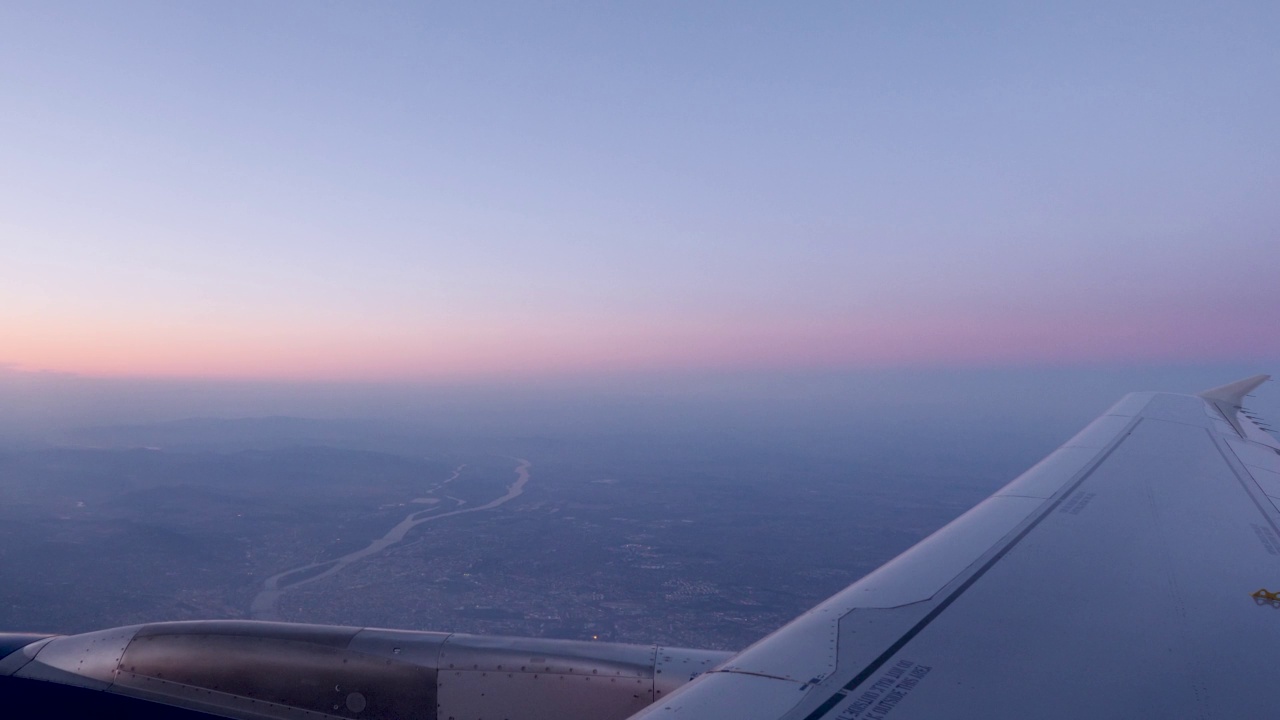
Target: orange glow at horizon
526,350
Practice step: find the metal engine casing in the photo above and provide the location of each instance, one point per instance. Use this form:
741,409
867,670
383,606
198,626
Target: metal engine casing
245,669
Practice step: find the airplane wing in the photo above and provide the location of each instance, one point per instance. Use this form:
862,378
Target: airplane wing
1134,572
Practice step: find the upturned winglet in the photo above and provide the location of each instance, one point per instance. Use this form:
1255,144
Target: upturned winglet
1233,393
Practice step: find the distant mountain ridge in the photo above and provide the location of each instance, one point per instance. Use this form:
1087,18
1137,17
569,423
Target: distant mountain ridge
248,433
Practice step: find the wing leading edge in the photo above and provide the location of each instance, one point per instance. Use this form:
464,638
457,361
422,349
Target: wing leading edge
1117,577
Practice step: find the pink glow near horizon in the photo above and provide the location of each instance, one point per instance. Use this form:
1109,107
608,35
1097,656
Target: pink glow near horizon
549,349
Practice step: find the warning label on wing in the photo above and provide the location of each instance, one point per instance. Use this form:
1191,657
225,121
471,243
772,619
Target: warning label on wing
877,699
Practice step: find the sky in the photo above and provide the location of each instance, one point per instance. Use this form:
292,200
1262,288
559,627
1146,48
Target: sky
510,192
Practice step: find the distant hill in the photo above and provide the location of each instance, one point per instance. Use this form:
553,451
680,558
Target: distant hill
253,433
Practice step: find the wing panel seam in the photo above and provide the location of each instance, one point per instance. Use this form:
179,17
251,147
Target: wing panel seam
907,637
1245,485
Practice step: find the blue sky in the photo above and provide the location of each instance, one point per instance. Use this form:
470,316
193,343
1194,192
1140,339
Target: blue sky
402,191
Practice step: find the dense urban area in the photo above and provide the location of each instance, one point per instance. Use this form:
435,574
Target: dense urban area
624,539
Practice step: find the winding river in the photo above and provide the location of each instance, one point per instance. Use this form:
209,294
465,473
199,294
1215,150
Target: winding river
265,604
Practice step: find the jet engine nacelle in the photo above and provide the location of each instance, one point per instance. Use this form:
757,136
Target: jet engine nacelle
245,669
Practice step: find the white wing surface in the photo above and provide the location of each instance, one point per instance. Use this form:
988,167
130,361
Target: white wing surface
1128,574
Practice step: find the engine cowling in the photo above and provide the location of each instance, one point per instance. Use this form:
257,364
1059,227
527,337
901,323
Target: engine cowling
245,669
